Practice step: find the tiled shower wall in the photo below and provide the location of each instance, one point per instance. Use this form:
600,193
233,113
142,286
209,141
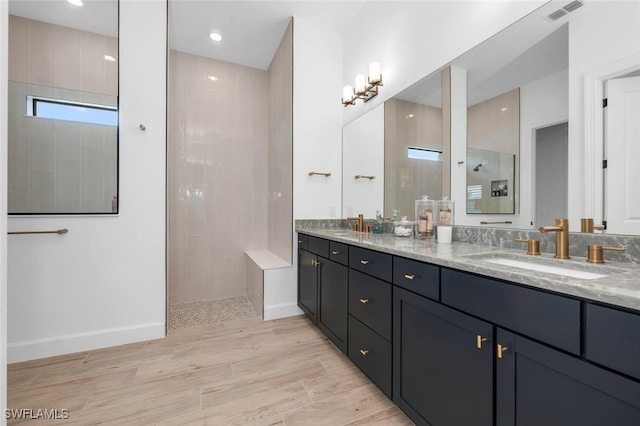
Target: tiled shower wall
280,200
217,172
59,165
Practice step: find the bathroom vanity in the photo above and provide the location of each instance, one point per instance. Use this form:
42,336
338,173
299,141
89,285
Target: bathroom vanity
455,337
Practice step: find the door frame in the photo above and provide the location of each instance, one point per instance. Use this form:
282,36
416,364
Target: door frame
593,131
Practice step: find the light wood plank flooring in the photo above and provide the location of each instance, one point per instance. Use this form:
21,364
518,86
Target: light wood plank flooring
247,371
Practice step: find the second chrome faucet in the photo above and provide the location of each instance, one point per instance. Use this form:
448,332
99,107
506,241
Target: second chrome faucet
561,229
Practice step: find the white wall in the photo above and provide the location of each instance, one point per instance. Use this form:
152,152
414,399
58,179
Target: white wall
317,120
103,283
363,154
317,138
4,78
543,103
411,39
600,34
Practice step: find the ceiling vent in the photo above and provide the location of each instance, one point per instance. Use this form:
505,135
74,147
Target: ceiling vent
557,15
573,6
566,9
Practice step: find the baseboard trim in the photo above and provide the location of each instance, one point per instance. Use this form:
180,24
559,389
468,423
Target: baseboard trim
281,311
79,342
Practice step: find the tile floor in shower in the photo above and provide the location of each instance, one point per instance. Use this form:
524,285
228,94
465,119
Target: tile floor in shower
191,314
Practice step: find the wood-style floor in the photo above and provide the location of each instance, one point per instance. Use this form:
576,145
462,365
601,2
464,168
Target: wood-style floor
248,371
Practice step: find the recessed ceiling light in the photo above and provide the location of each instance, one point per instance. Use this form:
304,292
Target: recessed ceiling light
212,77
109,58
215,37
75,2
505,109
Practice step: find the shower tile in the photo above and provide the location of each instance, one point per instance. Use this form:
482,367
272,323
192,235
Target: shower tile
194,258
41,192
18,49
41,53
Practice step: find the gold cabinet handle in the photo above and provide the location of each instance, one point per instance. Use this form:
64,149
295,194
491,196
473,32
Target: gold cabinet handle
335,252
364,301
501,350
364,262
409,276
300,241
364,352
480,340
315,262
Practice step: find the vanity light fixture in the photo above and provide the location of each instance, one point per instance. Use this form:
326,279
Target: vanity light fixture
365,87
76,2
215,37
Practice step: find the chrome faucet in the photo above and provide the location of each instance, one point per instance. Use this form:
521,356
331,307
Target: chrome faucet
562,237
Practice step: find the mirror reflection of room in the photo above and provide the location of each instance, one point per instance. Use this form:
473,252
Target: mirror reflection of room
63,100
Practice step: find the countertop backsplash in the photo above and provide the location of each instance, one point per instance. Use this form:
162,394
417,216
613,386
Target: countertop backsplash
504,237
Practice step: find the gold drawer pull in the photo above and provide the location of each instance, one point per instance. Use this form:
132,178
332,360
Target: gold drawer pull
409,276
335,253
364,352
364,301
364,262
315,262
480,340
300,241
501,351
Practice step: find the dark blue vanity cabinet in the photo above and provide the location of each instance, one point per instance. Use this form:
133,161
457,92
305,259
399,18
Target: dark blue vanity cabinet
443,363
456,348
323,285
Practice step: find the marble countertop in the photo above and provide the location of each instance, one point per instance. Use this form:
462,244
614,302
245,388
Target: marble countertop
620,286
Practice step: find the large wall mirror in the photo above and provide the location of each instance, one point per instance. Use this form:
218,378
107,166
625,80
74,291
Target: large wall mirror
504,104
406,141
63,107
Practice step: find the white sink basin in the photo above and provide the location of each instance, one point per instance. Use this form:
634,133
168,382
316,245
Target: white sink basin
567,272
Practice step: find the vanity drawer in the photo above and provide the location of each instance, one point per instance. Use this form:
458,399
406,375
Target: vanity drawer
371,262
547,317
303,241
371,353
370,302
418,277
612,338
339,252
319,246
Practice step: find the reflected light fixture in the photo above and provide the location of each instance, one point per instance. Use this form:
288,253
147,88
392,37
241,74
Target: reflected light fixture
215,37
365,87
212,77
75,2
109,58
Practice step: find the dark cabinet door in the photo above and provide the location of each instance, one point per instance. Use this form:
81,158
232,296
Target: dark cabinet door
443,363
334,294
537,385
308,283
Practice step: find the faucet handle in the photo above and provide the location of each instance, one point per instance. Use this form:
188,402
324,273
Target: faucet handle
594,252
533,246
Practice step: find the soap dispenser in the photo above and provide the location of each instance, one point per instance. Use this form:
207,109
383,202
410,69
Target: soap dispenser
445,211
424,217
